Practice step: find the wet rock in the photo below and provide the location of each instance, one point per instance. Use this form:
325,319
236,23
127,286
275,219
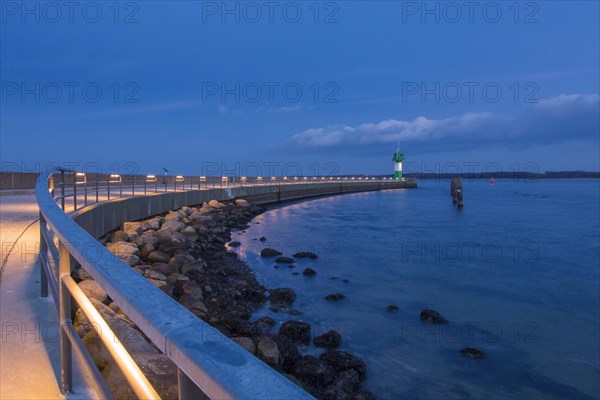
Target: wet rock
165,269
152,223
262,239
330,340
305,254
432,316
297,331
340,361
294,312
154,275
162,285
284,260
195,267
282,296
119,236
234,244
246,343
158,257
121,248
313,372
309,272
130,259
472,353
146,239
242,203
267,252
335,297
193,304
173,225
392,308
268,351
133,229
288,352
346,384
190,234
345,280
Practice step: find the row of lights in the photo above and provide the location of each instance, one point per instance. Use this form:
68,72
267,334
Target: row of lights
116,178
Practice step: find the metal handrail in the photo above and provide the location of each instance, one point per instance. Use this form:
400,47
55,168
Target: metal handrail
208,362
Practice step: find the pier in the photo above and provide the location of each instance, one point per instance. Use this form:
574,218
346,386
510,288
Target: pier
74,210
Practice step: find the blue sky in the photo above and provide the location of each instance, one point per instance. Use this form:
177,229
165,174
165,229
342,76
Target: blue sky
300,88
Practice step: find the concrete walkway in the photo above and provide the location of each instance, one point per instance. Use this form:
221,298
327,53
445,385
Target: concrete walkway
29,342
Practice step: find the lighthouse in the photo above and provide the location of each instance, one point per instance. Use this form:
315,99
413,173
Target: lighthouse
398,158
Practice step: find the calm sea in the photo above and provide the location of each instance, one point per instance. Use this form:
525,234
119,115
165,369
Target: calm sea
516,273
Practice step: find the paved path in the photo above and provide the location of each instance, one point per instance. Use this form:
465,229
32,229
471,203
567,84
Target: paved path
29,344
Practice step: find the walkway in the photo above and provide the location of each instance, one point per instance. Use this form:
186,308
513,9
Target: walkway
29,344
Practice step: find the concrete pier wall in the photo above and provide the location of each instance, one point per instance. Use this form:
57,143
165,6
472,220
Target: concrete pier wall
98,219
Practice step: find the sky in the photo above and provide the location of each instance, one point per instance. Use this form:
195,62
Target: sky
300,88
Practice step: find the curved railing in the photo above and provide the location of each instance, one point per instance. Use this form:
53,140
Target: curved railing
208,362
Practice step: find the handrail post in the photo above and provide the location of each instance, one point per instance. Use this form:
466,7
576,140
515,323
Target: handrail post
66,365
85,190
44,251
133,185
108,188
187,389
62,189
97,185
120,187
75,192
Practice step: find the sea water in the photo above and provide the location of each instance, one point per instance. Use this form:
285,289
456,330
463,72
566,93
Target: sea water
515,272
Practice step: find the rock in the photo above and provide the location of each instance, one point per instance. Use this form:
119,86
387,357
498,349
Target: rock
267,252
309,272
284,260
133,229
216,204
146,250
159,370
173,225
345,280
80,274
335,297
146,239
242,203
268,321
130,259
305,254
288,352
158,257
392,308
329,340
346,384
282,296
193,304
119,236
295,330
165,269
263,327
191,288
120,248
170,238
195,267
190,234
246,343
162,285
155,275
472,353
341,361
268,351
432,316
313,372
262,239
93,290
234,244
152,223
294,312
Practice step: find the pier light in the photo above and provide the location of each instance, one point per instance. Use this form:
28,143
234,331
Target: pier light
259,179
285,178
224,179
80,178
305,178
352,178
115,178
150,178
295,178
202,179
243,179
273,179
322,178
179,178
314,178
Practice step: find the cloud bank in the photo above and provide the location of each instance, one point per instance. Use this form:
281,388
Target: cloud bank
553,120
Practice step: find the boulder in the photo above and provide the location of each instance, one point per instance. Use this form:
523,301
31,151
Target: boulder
282,296
193,304
472,353
262,239
93,290
340,361
120,248
158,257
392,308
170,238
432,316
305,254
216,204
234,244
288,352
195,267
335,297
174,225
346,384
242,203
268,351
329,340
152,223
267,252
313,372
119,236
309,272
133,229
246,343
154,275
146,239
297,331
190,234
130,259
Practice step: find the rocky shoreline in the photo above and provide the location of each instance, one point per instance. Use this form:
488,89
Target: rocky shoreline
186,253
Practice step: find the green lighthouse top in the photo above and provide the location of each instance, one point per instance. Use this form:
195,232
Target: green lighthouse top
398,157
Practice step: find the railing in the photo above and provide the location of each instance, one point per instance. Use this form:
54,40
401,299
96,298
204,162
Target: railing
208,362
